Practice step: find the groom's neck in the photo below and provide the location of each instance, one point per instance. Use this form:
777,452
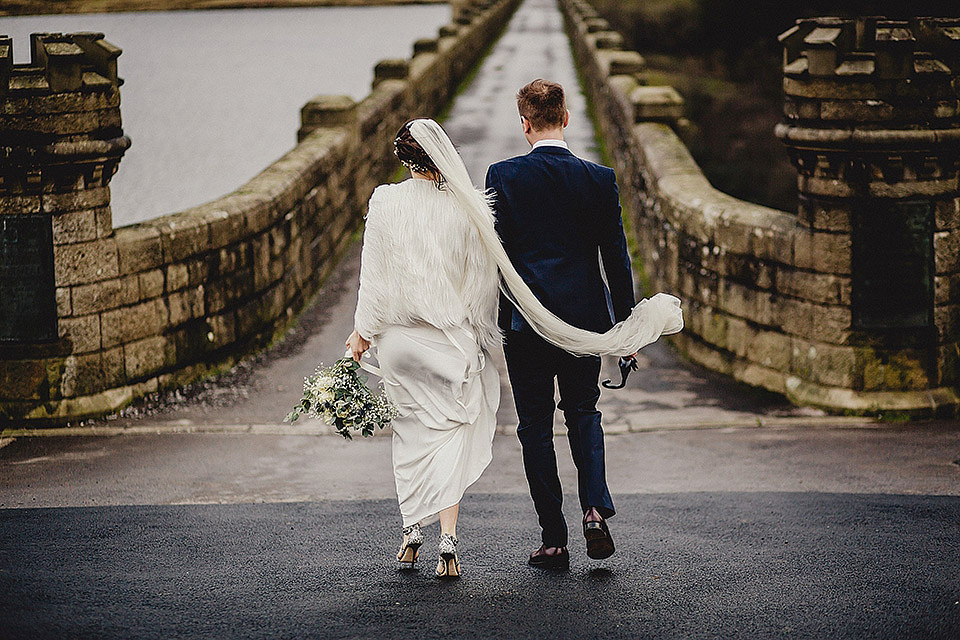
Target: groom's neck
547,134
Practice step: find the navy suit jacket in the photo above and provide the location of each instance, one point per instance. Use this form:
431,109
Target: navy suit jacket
555,214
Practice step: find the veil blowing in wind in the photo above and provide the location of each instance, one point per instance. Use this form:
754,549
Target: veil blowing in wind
650,318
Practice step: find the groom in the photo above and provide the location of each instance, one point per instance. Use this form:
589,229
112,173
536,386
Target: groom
557,214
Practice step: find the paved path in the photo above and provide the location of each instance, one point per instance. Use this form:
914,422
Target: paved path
739,516
703,565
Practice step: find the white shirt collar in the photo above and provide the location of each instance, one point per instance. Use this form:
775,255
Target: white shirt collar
550,143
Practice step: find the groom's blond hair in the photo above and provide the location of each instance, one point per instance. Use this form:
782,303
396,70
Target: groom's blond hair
542,103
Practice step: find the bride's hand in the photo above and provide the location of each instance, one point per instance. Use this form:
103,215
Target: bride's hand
357,344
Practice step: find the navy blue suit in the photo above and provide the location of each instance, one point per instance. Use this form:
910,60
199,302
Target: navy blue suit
556,215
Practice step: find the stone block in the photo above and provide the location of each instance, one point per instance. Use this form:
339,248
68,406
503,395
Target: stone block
259,214
656,104
746,302
261,261
326,112
823,252
19,203
113,368
273,303
605,40
222,329
151,283
770,349
216,296
81,375
825,187
931,188
733,238
946,318
128,324
83,332
64,303
831,324
391,69
139,247
739,334
813,286
192,342
449,30
183,236
108,294
104,216
856,110
74,227
747,270
947,214
226,227
948,364
614,63
704,355
946,252
202,269
808,109
825,216
61,103
86,262
144,358
177,277
824,363
23,379
49,125
424,45
187,304
75,200
795,317
279,238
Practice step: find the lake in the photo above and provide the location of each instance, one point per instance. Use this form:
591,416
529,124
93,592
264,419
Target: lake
210,98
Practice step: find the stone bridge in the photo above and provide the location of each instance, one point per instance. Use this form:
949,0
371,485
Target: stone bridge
848,304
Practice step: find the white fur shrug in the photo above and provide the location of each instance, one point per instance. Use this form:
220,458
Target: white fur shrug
423,262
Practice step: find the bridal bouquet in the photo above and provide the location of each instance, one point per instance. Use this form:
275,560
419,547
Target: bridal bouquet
339,396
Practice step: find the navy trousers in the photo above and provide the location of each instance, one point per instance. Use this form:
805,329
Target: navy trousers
533,364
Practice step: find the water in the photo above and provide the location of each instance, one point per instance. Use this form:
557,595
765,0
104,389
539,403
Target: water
212,97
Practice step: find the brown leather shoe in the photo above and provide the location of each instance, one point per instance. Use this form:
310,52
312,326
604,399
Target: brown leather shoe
541,559
599,540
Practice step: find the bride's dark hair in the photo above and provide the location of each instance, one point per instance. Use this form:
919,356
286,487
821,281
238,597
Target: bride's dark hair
412,156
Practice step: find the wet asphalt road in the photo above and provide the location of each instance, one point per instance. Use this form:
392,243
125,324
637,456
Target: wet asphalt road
695,565
739,516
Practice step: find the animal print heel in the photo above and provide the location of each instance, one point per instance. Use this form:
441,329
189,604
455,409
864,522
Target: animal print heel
410,548
448,565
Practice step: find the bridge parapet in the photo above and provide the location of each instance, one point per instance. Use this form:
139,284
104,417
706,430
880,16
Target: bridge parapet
159,304
851,304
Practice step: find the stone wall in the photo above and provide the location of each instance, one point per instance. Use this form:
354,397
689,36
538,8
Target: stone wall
794,303
159,304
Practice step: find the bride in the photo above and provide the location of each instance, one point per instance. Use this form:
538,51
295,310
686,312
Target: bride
428,300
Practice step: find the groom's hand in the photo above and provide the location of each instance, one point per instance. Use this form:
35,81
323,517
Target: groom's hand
357,345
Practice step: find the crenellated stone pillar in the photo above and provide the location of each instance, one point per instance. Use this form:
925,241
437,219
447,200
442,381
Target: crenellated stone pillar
60,143
872,125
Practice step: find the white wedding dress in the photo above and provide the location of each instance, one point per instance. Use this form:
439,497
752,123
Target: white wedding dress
428,300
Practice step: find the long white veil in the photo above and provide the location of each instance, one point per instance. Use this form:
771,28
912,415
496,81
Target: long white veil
650,318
